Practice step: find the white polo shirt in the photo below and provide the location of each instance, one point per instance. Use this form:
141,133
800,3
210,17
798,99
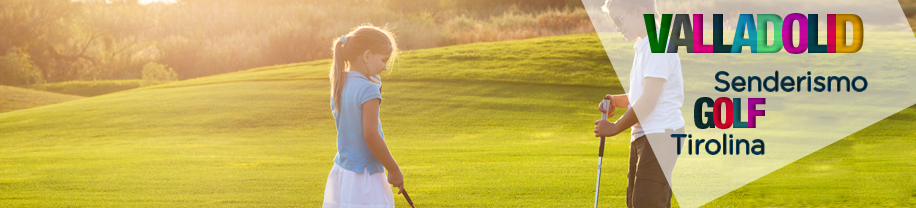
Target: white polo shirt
667,112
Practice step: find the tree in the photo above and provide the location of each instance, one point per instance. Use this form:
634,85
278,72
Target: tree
16,69
154,73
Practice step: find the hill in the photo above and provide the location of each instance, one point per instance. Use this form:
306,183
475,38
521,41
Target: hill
14,98
89,88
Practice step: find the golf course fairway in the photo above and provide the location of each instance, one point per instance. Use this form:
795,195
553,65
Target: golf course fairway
502,124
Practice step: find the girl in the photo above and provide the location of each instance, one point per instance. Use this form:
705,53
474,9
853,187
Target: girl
357,178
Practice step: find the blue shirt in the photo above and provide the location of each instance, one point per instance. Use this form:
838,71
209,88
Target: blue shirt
352,152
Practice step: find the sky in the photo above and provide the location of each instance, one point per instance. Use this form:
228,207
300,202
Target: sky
154,1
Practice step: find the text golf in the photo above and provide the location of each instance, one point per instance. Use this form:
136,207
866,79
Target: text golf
731,116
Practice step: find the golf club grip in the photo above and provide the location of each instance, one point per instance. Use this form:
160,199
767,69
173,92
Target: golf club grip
601,148
408,198
606,103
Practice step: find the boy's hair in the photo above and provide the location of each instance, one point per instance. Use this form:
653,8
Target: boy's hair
362,38
648,4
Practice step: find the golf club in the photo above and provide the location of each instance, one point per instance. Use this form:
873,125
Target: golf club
404,191
605,104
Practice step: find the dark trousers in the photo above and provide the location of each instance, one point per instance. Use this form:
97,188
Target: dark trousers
647,185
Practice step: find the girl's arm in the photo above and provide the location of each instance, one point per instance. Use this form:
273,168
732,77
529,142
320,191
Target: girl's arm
377,144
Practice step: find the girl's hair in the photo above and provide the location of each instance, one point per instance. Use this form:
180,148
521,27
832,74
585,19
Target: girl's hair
362,38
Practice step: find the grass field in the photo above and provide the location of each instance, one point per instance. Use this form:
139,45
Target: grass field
14,98
503,124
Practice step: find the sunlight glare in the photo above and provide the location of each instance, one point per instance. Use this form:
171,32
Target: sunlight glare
145,2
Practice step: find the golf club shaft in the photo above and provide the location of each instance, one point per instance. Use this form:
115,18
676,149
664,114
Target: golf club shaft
605,103
404,191
598,182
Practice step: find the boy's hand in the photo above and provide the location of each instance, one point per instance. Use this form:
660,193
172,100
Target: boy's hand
604,128
611,104
396,179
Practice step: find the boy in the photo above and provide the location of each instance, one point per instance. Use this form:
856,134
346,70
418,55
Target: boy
656,93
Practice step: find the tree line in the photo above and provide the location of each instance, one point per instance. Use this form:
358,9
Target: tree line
63,40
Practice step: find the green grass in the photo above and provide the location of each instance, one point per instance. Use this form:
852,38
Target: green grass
871,168
14,98
503,124
89,88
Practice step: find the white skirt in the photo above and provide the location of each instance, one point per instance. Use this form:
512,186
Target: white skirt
348,189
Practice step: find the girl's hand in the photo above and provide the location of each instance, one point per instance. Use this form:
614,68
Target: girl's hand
396,179
401,190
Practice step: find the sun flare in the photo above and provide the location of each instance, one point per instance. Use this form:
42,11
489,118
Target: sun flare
144,2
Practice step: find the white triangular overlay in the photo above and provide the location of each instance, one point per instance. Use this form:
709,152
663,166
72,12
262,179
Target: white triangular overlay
796,123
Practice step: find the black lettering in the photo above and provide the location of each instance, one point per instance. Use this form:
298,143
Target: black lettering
775,79
720,80
788,84
698,113
838,81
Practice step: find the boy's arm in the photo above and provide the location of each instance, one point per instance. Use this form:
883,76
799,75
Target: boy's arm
652,90
376,143
619,101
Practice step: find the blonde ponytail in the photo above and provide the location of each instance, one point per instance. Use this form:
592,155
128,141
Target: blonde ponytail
338,73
